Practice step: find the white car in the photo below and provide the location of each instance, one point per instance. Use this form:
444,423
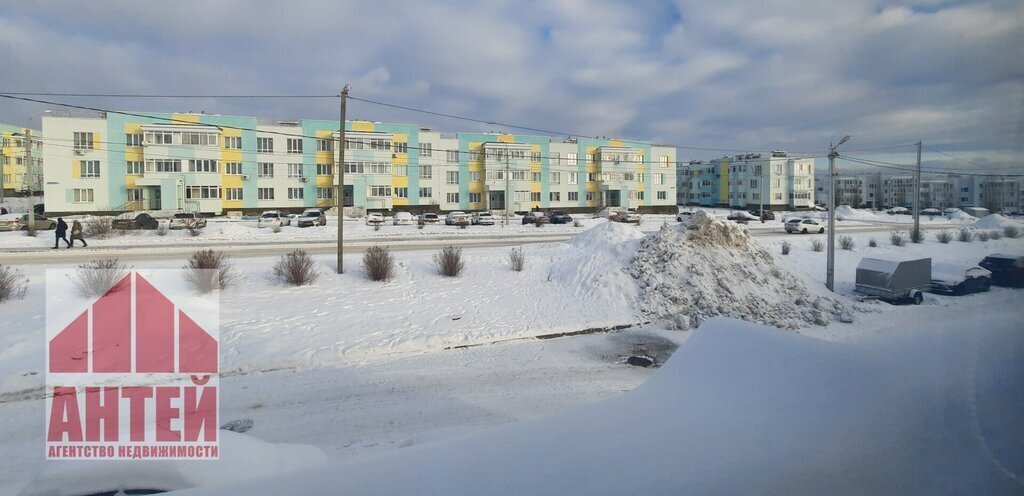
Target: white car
483,219
311,217
403,219
429,218
374,219
272,218
804,226
186,220
685,216
898,211
456,218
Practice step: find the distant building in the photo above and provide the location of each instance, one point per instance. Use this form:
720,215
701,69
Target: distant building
775,180
20,177
877,190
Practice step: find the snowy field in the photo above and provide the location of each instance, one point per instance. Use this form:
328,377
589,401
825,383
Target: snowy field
365,370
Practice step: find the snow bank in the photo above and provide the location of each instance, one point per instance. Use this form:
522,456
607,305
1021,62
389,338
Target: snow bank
846,212
995,221
595,269
745,409
961,216
714,268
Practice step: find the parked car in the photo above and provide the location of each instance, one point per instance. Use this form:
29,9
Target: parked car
952,279
429,218
931,212
742,217
135,220
374,219
456,218
403,219
184,220
1007,270
768,214
559,217
292,218
898,211
685,216
950,212
483,219
535,217
628,215
19,222
804,226
311,217
272,218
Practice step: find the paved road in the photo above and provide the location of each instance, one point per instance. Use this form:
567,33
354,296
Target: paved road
29,256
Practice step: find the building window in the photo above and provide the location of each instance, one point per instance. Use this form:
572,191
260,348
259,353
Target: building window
325,169
663,161
354,144
452,156
159,138
778,196
426,149
233,168
265,145
135,167
134,194
451,177
401,192
474,176
555,196
295,193
324,193
203,166
202,192
659,179
556,178
380,168
453,198
661,195
355,167
474,198
204,139
426,192
379,191
89,168
163,166
83,195
574,196
572,158
324,145
591,177
233,142
83,141
380,144
535,177
535,196
294,145
266,169
401,147
265,193
401,170
534,156
518,175
233,193
426,171
574,178
590,196
294,171
133,140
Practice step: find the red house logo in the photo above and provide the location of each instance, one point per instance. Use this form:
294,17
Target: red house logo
133,375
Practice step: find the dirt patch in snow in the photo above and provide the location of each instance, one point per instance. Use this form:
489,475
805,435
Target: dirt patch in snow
688,274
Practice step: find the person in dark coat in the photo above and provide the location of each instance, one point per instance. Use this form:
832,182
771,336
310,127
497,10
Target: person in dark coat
61,233
76,233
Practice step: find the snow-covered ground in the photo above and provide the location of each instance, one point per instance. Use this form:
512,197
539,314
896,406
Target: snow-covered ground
359,368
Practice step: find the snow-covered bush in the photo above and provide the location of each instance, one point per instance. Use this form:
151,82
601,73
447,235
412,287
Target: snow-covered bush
965,235
449,261
207,270
97,277
846,242
296,268
982,236
517,258
917,235
786,246
162,229
378,263
13,284
98,227
577,223
872,243
897,238
276,228
1011,231
995,234
944,236
817,245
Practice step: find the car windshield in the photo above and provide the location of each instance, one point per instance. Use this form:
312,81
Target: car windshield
270,215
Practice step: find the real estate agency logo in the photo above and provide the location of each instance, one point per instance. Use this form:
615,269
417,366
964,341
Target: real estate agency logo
132,374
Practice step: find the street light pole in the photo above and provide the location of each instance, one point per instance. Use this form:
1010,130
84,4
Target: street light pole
341,178
831,261
917,196
27,141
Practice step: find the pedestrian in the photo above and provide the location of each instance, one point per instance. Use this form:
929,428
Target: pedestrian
61,233
76,233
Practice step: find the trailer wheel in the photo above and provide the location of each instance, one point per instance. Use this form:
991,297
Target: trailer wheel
918,297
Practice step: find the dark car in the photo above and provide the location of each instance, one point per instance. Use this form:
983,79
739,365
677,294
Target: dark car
1007,270
951,279
768,214
135,220
535,218
559,217
742,217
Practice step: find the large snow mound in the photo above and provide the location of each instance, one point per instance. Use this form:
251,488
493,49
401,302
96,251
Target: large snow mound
995,221
596,268
745,409
961,216
846,212
714,268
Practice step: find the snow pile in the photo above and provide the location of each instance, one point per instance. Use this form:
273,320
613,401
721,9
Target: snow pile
961,216
995,221
846,212
595,269
714,268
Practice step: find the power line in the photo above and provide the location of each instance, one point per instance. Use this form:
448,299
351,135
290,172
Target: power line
910,168
136,95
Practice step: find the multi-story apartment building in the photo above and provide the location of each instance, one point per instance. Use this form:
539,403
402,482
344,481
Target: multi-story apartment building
22,175
212,164
876,190
996,193
775,180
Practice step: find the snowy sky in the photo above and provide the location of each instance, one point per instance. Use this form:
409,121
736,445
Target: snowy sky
721,74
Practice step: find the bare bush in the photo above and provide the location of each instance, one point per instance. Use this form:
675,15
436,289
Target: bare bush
276,228
296,268
98,226
207,270
378,263
13,284
162,229
872,243
517,258
846,243
995,234
982,236
897,238
577,223
965,235
449,261
817,245
193,229
944,236
1011,231
786,246
917,235
97,277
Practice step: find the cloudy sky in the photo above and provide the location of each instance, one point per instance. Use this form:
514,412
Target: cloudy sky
754,75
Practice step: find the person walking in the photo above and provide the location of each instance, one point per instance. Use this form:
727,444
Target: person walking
76,233
61,233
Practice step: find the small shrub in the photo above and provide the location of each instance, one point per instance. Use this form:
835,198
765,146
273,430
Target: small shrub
97,277
577,223
982,236
1011,231
995,235
207,270
449,261
817,245
31,231
98,227
378,263
162,229
965,235
419,225
786,246
13,284
276,228
944,237
376,226
193,230
296,268
872,243
846,242
897,238
517,258
917,235
539,223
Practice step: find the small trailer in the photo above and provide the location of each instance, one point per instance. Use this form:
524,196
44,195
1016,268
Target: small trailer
894,281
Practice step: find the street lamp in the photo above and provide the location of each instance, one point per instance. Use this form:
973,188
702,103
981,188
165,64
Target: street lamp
831,264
